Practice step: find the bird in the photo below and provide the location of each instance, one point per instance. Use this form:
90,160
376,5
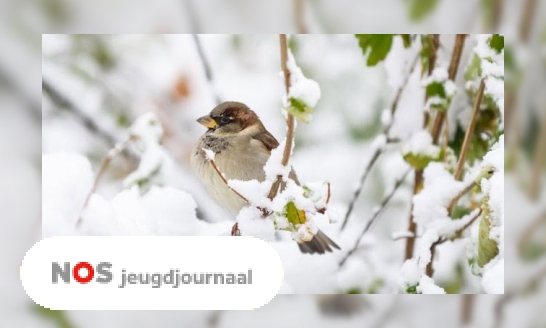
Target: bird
241,145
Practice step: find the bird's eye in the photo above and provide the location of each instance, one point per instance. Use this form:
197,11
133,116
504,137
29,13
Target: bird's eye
224,120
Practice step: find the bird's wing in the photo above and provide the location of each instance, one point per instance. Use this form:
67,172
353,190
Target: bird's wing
267,139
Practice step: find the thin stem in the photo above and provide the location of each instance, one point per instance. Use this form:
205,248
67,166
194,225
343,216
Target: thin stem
469,132
289,120
430,268
113,153
375,215
456,199
378,151
452,74
418,176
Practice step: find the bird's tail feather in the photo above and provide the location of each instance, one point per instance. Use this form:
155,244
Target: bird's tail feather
318,245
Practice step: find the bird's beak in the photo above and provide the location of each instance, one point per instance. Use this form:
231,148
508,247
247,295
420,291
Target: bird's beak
207,121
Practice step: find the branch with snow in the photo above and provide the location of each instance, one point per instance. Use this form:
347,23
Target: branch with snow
375,215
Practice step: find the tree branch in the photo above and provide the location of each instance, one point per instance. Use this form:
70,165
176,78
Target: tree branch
430,268
120,147
289,119
379,150
418,176
88,122
469,131
452,74
375,215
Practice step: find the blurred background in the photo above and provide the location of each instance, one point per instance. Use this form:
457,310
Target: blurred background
131,74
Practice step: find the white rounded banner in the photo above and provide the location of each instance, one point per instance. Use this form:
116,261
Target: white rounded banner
152,273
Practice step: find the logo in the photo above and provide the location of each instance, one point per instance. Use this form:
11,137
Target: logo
82,272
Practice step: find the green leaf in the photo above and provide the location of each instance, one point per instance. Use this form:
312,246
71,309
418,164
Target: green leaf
294,215
419,161
412,290
497,42
436,89
377,45
487,247
419,9
299,109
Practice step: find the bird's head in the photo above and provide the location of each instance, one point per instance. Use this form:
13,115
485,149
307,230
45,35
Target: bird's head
230,118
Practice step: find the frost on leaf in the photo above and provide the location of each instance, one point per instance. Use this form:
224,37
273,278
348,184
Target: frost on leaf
303,94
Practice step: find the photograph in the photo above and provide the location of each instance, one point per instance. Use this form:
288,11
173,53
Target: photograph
371,163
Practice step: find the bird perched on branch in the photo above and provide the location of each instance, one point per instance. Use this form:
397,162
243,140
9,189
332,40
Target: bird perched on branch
241,147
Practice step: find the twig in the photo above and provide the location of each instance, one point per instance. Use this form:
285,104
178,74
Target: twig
265,212
367,170
452,73
104,165
469,132
299,15
379,150
289,119
463,192
88,122
206,67
412,226
430,268
418,175
375,215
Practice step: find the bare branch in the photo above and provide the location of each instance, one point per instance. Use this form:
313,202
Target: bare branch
452,74
113,153
456,199
469,131
430,267
375,215
289,120
379,150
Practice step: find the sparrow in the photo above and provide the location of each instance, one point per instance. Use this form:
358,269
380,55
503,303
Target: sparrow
241,146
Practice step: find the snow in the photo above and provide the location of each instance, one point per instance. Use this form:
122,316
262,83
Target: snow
493,277
421,144
401,235
209,154
301,87
251,223
332,148
66,181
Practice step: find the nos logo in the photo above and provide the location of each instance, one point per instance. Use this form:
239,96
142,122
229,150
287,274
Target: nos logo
102,271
